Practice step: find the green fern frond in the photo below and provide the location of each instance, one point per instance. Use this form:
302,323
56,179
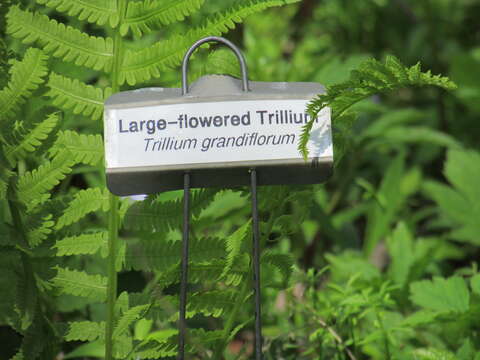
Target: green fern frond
29,137
84,202
128,318
143,65
154,254
79,283
197,273
61,41
84,149
85,331
25,77
34,186
282,262
4,178
74,95
372,77
157,350
85,244
143,17
38,231
153,215
210,303
94,11
234,245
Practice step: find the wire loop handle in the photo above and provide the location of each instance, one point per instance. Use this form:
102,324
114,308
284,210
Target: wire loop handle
232,46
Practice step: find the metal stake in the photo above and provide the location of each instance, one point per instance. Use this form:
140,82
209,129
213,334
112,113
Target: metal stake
184,276
256,267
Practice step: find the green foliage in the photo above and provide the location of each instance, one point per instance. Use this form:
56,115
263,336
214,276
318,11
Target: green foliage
83,203
25,77
372,77
144,17
460,204
379,263
85,149
441,294
61,41
72,94
90,10
78,283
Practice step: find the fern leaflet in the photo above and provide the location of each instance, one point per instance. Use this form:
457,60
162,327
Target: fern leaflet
84,244
84,202
84,149
160,256
282,262
74,95
128,318
61,41
85,331
153,215
234,245
143,17
94,11
34,186
37,233
372,77
26,76
28,139
145,64
79,283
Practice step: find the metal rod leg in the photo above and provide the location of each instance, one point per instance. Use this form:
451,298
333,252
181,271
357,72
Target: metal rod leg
184,264
256,267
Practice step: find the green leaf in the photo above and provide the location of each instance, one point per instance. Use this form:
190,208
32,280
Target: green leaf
84,202
381,216
61,41
128,318
282,262
400,247
79,283
39,231
25,77
74,95
85,331
85,244
154,215
34,186
94,11
462,170
372,77
159,255
28,139
460,203
475,284
234,244
148,63
445,295
143,17
93,349
84,149
433,354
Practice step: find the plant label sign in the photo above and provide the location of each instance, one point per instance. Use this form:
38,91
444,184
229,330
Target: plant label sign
216,132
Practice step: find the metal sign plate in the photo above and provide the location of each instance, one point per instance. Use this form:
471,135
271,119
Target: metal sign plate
217,131
147,142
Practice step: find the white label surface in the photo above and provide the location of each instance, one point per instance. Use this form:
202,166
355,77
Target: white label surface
216,132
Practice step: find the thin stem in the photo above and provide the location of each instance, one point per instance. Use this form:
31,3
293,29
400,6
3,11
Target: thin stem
113,218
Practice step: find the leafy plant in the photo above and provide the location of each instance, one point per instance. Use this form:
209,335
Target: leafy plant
117,58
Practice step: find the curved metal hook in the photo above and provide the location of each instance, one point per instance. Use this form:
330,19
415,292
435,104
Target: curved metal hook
236,50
